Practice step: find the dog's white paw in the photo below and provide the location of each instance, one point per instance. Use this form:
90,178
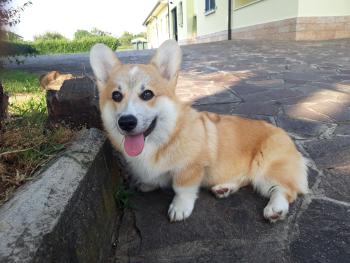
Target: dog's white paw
275,211
180,209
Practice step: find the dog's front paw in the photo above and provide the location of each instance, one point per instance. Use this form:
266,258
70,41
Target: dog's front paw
180,209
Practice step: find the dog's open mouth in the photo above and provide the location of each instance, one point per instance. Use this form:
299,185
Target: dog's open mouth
133,144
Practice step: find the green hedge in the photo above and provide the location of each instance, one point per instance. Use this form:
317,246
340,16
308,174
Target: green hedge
16,48
61,46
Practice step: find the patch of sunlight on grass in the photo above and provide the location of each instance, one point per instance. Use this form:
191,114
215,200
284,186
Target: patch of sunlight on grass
18,81
25,142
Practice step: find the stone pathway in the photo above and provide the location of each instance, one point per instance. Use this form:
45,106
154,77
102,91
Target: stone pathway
302,87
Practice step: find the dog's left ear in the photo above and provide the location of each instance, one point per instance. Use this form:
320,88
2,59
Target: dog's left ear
168,60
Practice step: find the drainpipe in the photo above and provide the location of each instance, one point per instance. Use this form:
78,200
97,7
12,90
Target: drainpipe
229,31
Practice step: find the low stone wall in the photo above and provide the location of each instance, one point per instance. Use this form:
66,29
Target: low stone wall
68,212
301,28
213,37
323,28
281,30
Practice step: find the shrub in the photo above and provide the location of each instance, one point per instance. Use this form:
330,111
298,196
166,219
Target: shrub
9,17
75,46
81,33
14,52
49,36
16,48
126,38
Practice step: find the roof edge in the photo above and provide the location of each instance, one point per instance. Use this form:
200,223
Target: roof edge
159,2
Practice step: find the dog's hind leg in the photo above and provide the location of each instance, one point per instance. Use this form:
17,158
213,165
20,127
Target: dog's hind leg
277,207
228,184
281,182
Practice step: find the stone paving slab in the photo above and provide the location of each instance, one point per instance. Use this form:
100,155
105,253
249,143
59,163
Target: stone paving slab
214,232
303,87
323,234
296,90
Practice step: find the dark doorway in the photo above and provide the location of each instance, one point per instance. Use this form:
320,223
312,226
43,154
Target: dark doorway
174,15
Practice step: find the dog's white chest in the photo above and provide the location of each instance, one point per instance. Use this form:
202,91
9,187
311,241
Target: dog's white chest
146,172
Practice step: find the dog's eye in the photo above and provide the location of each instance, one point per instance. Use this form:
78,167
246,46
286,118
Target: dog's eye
147,95
117,96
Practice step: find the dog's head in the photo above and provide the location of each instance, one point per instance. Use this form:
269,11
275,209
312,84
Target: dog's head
137,102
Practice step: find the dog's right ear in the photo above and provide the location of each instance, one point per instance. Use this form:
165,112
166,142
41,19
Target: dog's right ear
168,60
102,61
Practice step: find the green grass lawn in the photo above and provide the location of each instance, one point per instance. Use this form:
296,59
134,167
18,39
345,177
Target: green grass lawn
125,48
18,81
25,142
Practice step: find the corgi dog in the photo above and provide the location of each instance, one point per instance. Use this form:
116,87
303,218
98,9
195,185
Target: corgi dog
166,142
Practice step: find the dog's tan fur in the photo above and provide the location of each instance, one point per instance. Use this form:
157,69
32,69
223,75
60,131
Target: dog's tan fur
210,150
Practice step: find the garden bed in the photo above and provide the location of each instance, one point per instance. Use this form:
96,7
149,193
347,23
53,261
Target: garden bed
68,212
25,143
57,184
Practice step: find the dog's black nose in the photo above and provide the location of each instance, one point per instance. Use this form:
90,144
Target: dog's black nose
127,123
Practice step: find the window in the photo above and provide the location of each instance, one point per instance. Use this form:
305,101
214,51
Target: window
209,5
180,15
242,3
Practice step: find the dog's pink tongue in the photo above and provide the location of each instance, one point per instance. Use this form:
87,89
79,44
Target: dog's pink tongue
133,145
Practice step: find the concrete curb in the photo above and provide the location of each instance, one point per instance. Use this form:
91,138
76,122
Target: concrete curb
68,213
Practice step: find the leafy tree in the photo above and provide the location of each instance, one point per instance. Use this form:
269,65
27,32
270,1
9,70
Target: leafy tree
97,32
141,34
49,36
10,16
81,33
125,38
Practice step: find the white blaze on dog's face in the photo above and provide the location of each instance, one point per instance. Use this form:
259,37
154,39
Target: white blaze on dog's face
138,102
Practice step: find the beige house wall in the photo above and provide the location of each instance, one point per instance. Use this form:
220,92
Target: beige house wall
187,30
157,28
263,11
261,19
213,22
293,20
323,19
152,37
313,8
181,25
192,19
